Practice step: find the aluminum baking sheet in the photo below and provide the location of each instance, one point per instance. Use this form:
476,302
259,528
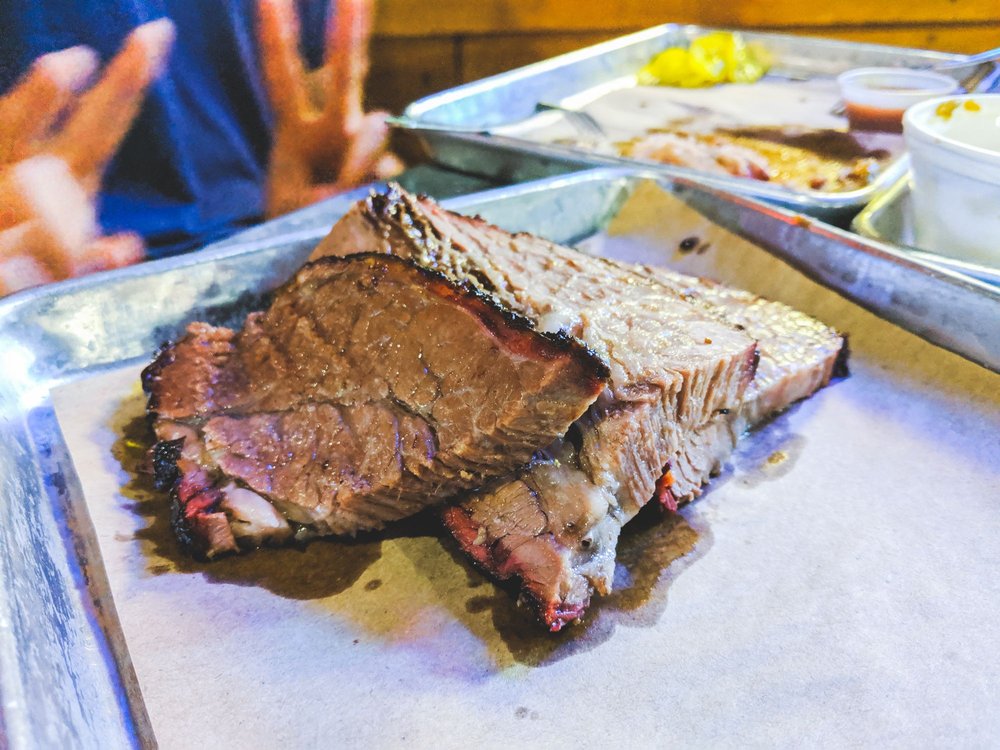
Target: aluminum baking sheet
889,218
833,583
484,127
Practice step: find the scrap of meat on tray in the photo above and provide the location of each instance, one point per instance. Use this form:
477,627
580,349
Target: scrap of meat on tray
538,396
808,159
786,133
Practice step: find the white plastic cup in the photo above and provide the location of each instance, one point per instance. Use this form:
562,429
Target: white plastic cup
954,145
875,98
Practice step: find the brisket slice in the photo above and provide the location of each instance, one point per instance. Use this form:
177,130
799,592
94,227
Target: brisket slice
549,528
370,389
661,348
668,420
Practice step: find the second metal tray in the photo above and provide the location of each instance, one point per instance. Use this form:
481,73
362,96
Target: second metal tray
889,218
464,128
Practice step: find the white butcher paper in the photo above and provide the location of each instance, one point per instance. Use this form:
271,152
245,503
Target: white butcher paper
837,586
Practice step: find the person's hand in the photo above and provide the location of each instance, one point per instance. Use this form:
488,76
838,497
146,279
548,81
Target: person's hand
324,142
49,230
29,111
47,113
55,143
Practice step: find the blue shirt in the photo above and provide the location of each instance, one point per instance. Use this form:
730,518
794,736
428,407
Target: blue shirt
192,168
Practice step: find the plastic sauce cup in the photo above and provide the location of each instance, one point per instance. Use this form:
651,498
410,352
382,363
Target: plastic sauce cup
954,145
875,98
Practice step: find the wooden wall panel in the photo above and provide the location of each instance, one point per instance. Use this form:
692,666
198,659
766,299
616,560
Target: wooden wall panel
406,69
850,12
961,38
458,17
486,55
443,17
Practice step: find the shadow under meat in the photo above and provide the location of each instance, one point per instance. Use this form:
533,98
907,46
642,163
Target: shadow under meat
654,548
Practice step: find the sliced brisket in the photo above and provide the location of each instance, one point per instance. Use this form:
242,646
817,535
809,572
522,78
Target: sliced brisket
553,392
798,356
660,348
369,389
683,353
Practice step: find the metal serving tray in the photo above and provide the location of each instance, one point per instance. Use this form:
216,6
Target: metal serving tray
473,127
889,218
66,678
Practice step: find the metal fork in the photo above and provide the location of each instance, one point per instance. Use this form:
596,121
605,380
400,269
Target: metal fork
983,57
582,121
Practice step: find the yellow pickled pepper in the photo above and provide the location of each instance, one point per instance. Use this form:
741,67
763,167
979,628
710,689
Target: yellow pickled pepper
717,57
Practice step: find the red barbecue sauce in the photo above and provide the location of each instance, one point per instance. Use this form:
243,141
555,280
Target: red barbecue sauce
866,117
